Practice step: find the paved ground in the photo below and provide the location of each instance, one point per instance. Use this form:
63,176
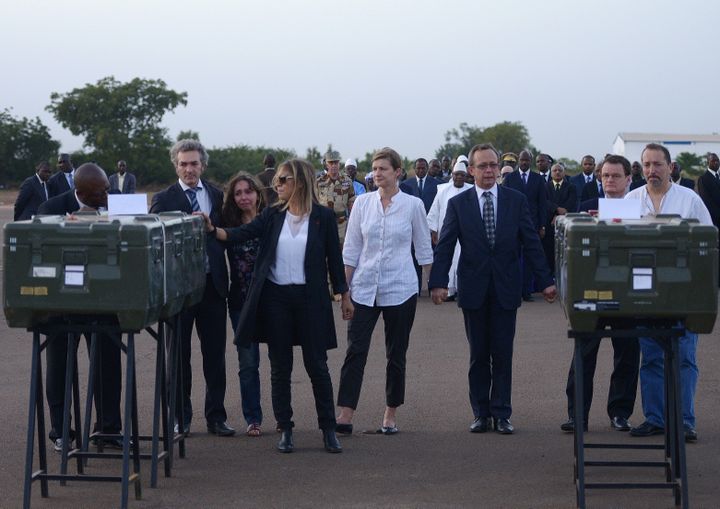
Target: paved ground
433,462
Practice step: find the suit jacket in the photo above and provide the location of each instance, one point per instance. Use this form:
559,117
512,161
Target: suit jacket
709,191
29,198
64,203
479,265
410,186
566,197
534,191
590,190
128,183
588,205
637,183
174,198
689,183
58,184
322,256
579,182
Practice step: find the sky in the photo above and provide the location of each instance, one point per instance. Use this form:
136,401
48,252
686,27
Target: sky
366,74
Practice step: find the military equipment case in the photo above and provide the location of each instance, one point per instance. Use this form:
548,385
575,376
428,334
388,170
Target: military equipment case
135,269
661,268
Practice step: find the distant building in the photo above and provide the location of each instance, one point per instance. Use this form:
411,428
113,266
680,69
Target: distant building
631,145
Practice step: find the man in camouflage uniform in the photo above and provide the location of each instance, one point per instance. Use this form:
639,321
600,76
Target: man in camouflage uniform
336,192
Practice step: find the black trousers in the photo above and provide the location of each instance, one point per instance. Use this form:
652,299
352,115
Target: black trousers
286,309
210,319
107,400
490,331
398,324
623,381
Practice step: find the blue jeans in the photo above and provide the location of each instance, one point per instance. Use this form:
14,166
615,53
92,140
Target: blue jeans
652,373
249,373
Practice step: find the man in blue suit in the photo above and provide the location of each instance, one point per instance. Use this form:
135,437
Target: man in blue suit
491,223
33,193
586,176
423,185
533,186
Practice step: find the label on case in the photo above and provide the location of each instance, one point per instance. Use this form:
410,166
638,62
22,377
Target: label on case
44,272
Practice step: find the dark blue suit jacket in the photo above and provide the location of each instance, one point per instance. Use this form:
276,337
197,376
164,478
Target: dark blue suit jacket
64,203
410,186
30,197
535,192
590,190
58,184
482,270
174,198
579,182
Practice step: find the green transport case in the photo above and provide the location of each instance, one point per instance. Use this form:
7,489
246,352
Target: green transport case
135,269
660,268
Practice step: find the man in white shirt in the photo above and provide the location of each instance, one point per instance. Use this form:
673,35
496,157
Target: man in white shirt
661,196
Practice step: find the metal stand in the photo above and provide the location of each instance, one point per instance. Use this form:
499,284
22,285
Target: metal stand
166,379
674,463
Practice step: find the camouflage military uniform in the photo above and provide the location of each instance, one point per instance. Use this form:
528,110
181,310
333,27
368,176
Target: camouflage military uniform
339,196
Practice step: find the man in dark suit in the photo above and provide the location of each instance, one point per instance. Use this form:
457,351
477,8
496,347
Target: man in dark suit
594,188
90,193
63,180
122,182
543,162
709,189
492,223
615,176
587,175
423,185
33,192
562,198
190,194
533,187
677,178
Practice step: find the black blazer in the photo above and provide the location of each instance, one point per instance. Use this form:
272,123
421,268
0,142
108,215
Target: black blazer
479,265
174,199
534,191
58,184
29,198
566,197
689,183
322,255
709,191
64,203
590,191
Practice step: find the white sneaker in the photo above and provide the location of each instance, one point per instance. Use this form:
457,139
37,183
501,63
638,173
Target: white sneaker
58,444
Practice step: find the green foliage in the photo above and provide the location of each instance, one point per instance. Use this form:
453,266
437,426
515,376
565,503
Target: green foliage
505,137
23,143
225,162
572,167
690,163
314,157
188,135
121,121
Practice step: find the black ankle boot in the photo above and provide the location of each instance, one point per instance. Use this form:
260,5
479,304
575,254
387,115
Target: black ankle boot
286,441
331,442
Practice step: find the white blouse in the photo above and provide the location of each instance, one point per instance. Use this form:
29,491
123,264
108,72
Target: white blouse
289,265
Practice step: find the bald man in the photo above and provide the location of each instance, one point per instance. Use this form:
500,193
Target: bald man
90,193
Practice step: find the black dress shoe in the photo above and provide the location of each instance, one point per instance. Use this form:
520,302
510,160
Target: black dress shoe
503,426
528,298
344,429
331,442
569,426
185,431
690,434
646,429
286,441
220,429
481,425
620,424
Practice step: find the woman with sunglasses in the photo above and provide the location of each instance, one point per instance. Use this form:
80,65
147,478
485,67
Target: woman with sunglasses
383,226
244,200
288,303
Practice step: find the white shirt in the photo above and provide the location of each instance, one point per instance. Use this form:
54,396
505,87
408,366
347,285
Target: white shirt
436,215
289,265
494,192
203,197
713,173
377,246
678,200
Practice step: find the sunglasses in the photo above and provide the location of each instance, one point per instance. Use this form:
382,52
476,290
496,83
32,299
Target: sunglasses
283,180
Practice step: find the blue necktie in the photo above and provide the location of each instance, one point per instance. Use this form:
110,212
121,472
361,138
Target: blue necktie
192,196
420,186
524,176
70,180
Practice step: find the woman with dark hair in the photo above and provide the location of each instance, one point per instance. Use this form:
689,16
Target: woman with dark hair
244,200
287,303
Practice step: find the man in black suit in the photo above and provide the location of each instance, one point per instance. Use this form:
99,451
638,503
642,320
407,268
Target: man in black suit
90,193
533,187
677,178
543,163
423,185
191,194
587,175
709,189
594,188
492,223
122,182
64,179
562,198
33,192
615,176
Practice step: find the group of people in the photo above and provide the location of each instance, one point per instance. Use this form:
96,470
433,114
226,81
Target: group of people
480,236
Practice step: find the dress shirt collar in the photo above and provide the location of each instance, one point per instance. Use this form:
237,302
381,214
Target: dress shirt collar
185,187
480,191
713,173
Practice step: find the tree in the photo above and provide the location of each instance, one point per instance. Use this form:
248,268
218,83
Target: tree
121,121
23,143
691,163
505,137
188,135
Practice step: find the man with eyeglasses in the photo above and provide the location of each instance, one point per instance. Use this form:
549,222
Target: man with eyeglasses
492,223
708,186
192,194
615,176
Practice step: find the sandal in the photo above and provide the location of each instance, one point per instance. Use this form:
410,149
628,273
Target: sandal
253,430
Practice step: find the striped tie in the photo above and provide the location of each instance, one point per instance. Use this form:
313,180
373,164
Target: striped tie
192,196
489,218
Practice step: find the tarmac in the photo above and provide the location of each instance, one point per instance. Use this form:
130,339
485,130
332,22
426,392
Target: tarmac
434,462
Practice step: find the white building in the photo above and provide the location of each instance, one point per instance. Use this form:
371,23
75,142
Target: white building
631,145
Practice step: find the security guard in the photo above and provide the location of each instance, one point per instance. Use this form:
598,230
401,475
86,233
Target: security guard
336,192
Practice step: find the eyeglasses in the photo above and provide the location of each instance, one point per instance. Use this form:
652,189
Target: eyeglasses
485,166
283,180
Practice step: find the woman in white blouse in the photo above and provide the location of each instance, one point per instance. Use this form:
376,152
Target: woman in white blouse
379,268
287,303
